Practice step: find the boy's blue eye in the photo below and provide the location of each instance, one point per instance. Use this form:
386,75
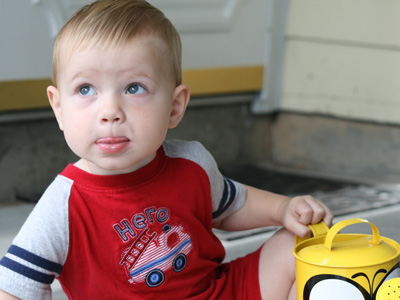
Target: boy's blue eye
135,89
86,91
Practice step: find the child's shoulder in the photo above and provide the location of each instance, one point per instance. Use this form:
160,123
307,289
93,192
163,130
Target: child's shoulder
190,150
179,147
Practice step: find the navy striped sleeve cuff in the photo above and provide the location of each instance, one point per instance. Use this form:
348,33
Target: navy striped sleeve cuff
228,196
48,266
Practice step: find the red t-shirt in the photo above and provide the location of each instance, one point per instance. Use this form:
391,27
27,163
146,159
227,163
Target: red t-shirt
143,235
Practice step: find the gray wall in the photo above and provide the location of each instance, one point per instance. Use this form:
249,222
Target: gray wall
337,148
32,153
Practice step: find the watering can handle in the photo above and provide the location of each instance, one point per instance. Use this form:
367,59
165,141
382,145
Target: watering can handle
318,229
376,239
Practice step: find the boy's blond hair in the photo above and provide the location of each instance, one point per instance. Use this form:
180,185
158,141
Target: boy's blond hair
109,23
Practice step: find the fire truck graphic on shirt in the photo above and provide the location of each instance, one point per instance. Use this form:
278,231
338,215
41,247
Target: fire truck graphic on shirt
152,253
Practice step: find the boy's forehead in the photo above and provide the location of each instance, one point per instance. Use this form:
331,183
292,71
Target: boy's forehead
153,44
113,24
138,50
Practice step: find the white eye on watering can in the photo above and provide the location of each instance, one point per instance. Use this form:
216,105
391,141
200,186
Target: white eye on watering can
333,266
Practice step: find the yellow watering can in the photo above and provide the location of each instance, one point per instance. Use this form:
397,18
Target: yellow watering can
335,266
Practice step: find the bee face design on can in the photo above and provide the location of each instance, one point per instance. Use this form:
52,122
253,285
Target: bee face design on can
346,266
330,286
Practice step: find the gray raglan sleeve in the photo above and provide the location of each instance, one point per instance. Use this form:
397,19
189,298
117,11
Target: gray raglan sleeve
228,196
39,250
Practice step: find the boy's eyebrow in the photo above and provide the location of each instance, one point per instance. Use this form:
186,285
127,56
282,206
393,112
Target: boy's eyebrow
77,75
127,73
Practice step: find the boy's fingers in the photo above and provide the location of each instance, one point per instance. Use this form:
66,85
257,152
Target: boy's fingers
320,211
302,210
311,211
328,218
302,230
324,213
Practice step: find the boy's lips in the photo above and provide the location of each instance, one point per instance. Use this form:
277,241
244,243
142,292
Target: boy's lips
112,144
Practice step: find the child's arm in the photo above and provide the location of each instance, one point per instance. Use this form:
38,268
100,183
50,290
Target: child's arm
263,208
7,296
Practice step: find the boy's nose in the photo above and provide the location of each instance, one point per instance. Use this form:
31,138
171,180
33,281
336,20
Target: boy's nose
111,112
111,119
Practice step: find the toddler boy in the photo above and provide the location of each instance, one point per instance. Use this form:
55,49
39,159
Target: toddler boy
133,217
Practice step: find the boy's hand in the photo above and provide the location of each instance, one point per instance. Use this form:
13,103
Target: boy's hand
299,212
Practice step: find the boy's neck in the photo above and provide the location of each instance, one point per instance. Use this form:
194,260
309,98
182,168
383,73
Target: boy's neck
88,167
83,165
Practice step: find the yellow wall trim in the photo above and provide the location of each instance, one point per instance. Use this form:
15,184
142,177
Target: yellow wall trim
24,94
224,80
31,94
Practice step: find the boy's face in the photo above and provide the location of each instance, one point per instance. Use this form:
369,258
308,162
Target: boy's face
116,105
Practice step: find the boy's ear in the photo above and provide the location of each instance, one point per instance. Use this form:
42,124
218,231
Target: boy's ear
54,98
179,104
